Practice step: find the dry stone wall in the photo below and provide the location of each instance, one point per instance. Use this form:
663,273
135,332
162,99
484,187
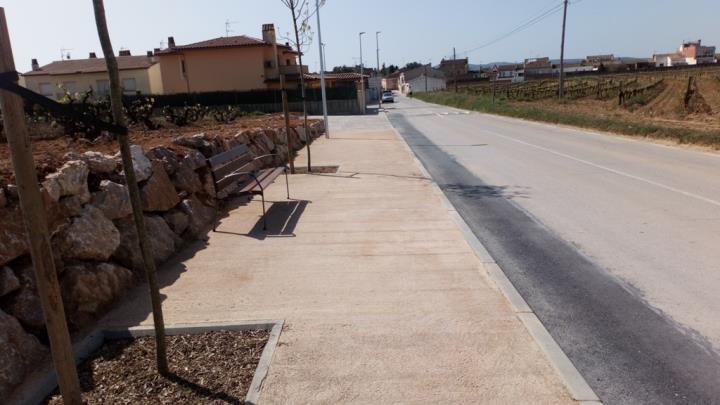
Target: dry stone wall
93,234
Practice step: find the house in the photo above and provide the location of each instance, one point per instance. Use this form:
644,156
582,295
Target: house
669,60
454,67
232,63
312,80
509,72
573,66
138,75
537,67
421,79
689,53
600,60
237,63
697,54
390,82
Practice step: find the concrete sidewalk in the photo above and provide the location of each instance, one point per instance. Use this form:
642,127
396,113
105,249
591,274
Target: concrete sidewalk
383,299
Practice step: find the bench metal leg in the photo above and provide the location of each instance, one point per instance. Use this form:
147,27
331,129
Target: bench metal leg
287,184
217,216
262,195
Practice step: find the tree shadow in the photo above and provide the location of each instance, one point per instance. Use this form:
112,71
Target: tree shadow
484,191
203,391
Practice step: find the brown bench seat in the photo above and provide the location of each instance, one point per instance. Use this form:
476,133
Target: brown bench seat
233,173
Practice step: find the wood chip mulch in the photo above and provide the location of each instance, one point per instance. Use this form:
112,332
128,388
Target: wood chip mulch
214,367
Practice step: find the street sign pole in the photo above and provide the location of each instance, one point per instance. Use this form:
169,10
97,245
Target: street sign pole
495,77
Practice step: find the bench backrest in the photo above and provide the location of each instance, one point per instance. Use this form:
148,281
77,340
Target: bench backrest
224,164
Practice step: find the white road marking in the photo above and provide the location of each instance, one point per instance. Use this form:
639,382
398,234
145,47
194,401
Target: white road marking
609,169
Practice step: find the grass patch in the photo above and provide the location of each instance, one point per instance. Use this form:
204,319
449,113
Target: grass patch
483,103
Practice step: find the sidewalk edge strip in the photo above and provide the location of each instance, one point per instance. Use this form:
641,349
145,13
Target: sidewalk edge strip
579,389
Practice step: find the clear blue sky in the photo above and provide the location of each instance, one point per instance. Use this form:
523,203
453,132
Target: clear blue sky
412,30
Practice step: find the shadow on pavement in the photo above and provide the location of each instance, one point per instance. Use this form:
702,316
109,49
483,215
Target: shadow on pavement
282,218
478,191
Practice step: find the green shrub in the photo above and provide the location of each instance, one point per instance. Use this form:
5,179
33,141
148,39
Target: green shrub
182,116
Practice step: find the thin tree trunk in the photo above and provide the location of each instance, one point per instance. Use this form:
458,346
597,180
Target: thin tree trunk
308,136
286,109
134,190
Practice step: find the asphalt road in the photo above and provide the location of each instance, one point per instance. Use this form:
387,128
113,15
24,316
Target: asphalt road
614,242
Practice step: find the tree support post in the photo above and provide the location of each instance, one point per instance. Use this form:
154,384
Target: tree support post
36,226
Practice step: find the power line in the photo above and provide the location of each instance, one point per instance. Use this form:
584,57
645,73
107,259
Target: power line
527,24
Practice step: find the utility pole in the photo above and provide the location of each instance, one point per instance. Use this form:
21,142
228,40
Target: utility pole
455,69
362,80
377,55
561,91
322,70
36,226
425,74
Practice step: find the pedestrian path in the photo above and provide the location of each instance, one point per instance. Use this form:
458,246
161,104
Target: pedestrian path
383,299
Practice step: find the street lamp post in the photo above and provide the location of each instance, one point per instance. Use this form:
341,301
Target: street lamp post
322,70
362,81
377,55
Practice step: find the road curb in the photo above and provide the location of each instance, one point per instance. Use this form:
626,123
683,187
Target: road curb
576,384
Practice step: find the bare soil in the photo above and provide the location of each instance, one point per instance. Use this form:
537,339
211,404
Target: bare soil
48,153
214,367
666,109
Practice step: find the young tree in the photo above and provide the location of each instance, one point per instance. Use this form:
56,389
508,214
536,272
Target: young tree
299,9
133,189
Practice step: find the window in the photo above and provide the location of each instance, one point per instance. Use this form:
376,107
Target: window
102,87
46,89
268,64
70,87
129,85
287,62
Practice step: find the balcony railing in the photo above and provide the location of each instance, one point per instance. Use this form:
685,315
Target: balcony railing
293,69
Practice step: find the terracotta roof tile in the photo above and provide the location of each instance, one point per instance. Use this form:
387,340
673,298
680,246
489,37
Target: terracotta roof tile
94,65
238,41
335,76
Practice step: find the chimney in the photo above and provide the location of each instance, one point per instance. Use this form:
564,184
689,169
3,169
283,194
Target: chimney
35,65
171,42
124,52
92,55
268,33
149,53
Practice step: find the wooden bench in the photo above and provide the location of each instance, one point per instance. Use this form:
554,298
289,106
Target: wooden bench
232,174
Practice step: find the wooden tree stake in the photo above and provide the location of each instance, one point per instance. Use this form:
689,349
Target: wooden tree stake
36,226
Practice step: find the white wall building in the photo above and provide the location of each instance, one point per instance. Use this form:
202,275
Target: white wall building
422,79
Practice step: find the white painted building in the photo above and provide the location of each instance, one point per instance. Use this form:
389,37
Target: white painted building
422,79
690,53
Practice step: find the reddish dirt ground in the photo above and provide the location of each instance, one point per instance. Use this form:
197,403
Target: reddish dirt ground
666,109
48,153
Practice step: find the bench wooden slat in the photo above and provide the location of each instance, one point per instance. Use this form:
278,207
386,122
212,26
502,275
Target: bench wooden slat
234,166
223,158
226,182
265,177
